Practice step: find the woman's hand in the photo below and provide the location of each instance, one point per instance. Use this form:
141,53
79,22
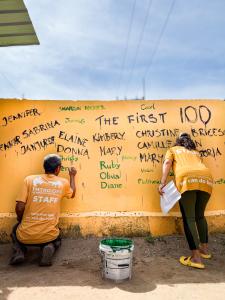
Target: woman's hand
160,189
166,168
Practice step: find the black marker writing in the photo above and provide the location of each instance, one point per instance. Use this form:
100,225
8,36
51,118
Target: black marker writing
33,112
107,120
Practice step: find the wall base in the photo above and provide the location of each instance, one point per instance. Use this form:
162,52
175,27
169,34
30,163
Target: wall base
117,226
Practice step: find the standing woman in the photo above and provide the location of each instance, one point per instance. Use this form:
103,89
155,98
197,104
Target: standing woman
194,182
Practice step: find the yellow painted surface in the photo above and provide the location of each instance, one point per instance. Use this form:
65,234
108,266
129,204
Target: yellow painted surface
118,149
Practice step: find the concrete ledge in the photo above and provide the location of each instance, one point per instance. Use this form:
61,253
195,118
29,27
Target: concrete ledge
117,226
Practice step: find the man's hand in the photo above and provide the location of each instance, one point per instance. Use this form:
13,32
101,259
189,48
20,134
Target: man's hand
72,172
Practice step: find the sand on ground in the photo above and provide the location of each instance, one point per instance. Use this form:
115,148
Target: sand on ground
76,273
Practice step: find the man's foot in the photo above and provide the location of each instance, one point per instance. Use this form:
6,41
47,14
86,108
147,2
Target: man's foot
47,254
17,258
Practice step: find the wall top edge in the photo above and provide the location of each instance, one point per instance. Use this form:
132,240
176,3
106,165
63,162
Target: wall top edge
106,100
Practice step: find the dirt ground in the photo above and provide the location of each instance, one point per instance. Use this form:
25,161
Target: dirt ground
76,273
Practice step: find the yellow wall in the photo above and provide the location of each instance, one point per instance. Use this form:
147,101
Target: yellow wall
118,162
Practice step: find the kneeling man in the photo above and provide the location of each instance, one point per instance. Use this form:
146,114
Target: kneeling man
38,209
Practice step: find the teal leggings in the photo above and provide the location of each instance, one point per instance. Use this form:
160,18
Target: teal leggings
192,206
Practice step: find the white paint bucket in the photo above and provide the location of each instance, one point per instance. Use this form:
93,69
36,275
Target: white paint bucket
116,257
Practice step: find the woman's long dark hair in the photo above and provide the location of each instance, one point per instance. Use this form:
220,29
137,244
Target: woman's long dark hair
185,141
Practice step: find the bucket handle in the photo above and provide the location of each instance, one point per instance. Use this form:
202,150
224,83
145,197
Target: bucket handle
123,265
119,249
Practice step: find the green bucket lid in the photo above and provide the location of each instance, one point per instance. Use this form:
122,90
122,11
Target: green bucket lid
118,243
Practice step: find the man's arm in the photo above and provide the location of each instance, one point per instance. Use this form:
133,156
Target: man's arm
21,200
72,174
20,207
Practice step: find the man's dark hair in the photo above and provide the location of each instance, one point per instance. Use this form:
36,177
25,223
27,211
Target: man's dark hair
185,141
51,163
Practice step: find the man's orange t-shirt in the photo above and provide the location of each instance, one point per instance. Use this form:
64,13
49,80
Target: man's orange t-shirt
42,195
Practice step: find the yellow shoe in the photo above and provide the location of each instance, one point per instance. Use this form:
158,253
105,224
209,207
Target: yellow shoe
207,256
186,261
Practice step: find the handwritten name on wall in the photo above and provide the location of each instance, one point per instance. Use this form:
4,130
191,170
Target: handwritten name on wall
116,145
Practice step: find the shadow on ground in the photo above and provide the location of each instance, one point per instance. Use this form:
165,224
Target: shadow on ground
77,263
